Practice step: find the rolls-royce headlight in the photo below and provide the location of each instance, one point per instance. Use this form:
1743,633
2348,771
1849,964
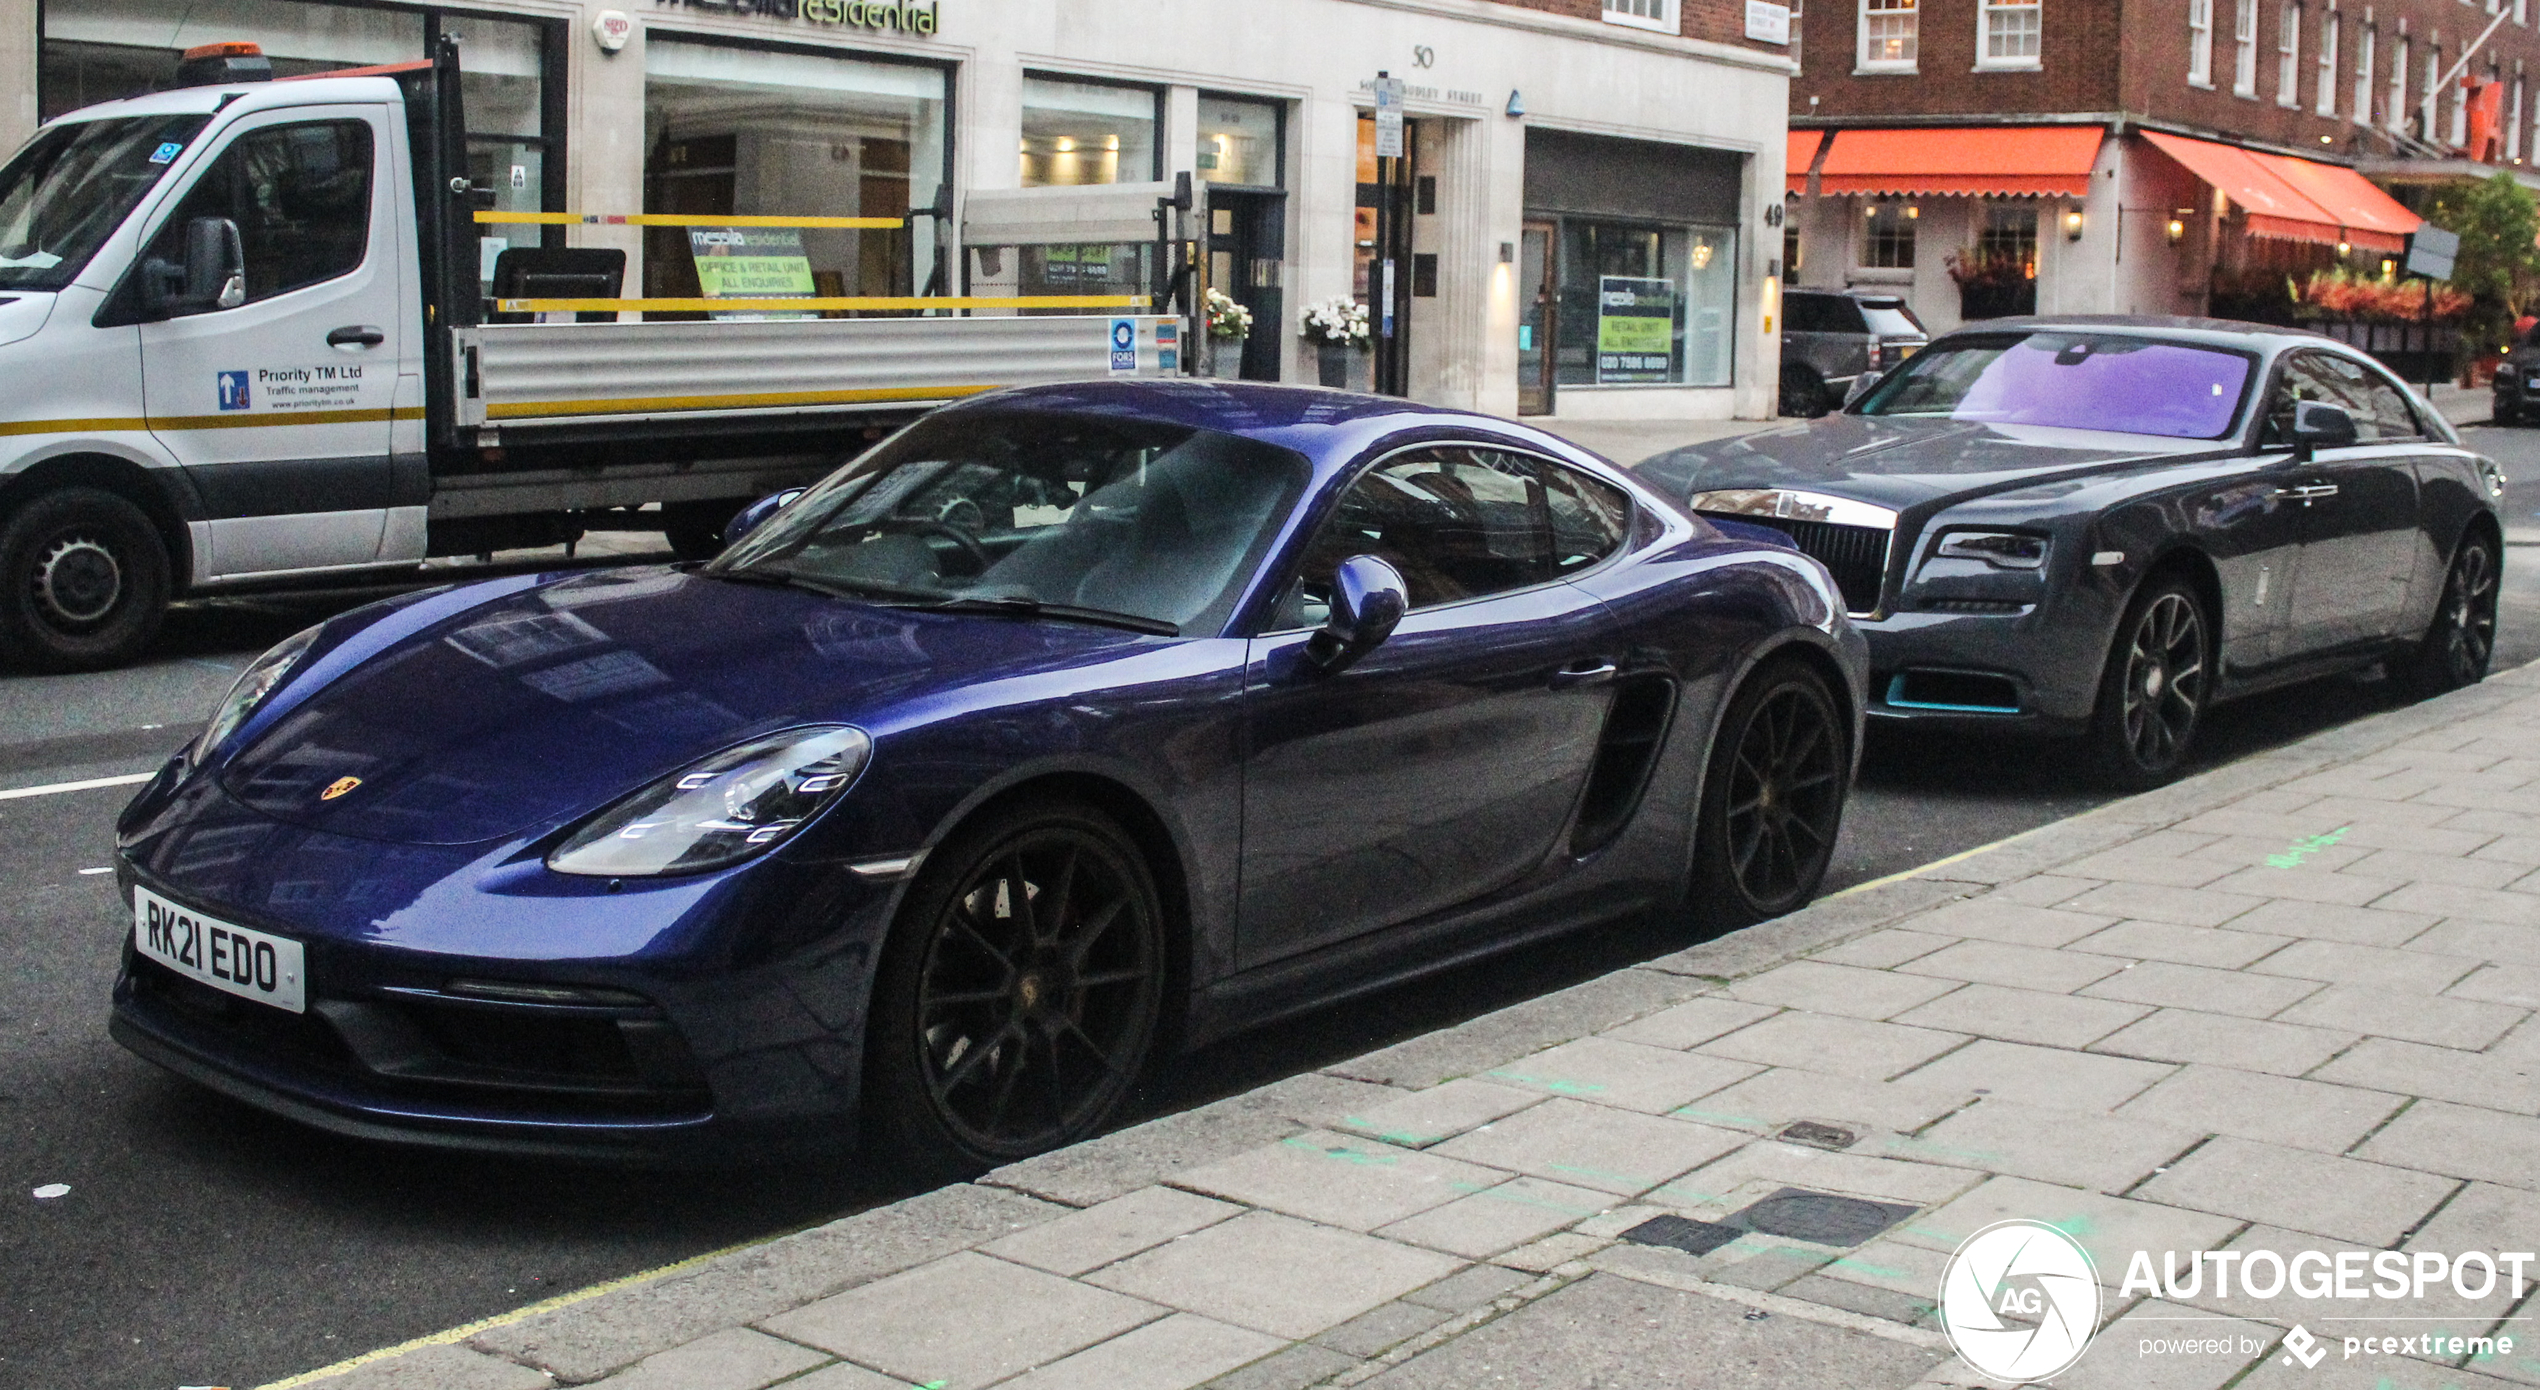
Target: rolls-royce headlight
260,679
720,810
2010,550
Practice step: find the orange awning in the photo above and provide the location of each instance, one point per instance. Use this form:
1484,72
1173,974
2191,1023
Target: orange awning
2294,199
1974,161
1803,152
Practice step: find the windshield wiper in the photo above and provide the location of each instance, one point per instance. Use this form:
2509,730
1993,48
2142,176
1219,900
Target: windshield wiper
1017,606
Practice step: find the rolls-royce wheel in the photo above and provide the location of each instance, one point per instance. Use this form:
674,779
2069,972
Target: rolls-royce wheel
1018,996
86,581
1772,802
2462,638
2153,694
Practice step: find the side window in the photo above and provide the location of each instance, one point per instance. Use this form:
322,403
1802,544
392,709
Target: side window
300,195
1589,518
2390,415
2303,380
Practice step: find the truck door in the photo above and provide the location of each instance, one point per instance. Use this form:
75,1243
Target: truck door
279,406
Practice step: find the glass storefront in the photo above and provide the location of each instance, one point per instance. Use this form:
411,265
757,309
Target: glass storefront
1239,142
1089,132
1645,305
737,131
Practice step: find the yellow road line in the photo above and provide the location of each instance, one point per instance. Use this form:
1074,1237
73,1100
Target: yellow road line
633,405
665,219
808,304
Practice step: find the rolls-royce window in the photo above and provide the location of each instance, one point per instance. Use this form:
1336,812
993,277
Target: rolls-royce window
2072,381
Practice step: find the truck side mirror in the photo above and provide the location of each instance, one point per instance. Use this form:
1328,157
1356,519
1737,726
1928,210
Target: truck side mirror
213,276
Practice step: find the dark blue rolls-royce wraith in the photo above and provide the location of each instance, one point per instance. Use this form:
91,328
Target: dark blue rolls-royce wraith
1070,726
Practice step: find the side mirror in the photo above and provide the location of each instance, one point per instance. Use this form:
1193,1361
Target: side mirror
1861,387
749,518
2319,425
214,275
1368,599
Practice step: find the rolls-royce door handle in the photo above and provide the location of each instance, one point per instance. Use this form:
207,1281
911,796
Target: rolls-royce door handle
356,335
2307,493
1588,671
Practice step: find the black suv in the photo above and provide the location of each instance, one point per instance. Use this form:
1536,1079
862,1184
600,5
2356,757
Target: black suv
1830,337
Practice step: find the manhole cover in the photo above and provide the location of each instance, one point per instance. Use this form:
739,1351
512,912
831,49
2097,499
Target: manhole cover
1818,1136
1821,1218
1677,1233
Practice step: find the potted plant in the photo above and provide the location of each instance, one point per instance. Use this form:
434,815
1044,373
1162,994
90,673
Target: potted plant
1338,328
1993,282
1229,323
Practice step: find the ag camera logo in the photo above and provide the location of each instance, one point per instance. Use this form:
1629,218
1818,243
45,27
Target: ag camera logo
2020,1301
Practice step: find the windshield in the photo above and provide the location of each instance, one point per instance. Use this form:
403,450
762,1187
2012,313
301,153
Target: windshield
1156,522
73,185
2072,380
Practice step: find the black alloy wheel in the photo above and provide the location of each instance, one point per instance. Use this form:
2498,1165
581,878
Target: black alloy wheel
2153,694
1020,994
1772,803
1803,394
2462,638
86,581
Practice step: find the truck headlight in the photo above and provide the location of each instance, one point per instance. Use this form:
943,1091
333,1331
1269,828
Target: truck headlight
2009,550
720,810
260,679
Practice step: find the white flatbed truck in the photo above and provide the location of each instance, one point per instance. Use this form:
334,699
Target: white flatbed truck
240,324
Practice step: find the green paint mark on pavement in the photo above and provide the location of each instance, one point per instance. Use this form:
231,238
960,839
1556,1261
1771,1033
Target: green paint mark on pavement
1391,1136
2300,850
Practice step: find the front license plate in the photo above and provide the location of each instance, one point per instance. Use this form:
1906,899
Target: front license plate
246,962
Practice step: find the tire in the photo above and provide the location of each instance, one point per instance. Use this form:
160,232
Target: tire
86,581
2461,640
2155,688
695,529
1803,395
2507,413
1068,1007
1772,802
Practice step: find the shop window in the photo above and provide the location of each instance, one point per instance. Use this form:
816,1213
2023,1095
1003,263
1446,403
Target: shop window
755,132
2200,42
2288,56
1645,305
1239,142
1887,235
1643,14
1888,34
2000,276
2244,40
1089,132
2011,32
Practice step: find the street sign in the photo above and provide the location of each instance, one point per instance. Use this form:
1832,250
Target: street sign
2431,251
1767,22
1388,117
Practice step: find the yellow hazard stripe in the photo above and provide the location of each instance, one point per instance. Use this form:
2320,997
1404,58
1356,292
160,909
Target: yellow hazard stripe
641,405
806,305
234,421
666,219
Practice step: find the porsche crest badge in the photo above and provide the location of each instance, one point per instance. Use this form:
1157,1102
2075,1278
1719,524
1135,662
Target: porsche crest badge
338,787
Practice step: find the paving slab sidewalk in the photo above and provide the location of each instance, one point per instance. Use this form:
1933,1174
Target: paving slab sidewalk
2283,1004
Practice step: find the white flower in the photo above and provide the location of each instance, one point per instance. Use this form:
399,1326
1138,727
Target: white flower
1226,318
1339,321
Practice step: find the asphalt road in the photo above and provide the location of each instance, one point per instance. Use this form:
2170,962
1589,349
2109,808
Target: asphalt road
202,1243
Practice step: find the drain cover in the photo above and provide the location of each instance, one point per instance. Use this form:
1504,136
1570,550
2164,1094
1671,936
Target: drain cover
1821,1218
1677,1233
1817,1136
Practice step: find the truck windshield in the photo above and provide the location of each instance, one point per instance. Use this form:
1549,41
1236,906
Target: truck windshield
73,184
1038,512
2071,380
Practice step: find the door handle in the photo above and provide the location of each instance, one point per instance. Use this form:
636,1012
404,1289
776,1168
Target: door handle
1585,672
2307,493
356,335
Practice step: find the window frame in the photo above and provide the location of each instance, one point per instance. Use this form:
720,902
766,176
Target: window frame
166,222
2332,31
1157,162
1861,253
1911,10
2200,43
2365,43
1670,18
2244,58
2395,116
1989,61
2288,54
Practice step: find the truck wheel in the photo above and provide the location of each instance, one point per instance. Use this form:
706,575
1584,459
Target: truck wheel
2461,640
2153,693
87,581
695,529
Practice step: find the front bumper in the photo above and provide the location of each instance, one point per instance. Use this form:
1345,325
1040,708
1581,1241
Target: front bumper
2009,673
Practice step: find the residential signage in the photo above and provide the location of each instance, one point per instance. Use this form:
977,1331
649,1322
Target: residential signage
750,263
902,16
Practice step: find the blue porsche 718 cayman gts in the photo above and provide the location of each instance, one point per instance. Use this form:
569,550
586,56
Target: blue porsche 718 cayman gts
1070,726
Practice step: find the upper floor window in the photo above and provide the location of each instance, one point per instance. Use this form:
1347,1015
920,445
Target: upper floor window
2363,76
1643,14
2513,123
1887,235
2396,114
1888,33
2010,37
2244,58
2433,79
2288,55
2329,36
2200,42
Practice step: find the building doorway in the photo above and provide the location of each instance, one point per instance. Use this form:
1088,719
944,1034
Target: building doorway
1539,305
1247,244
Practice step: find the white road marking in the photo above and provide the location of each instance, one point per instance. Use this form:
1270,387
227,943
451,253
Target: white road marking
90,784
105,870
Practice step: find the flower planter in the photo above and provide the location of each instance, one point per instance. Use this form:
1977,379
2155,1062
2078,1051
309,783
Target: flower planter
1991,301
1342,368
1226,358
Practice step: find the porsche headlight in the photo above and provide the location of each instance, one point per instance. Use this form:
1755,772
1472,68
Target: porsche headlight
721,810
2010,550
250,689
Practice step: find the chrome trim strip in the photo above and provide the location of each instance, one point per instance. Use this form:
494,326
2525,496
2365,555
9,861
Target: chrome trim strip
888,870
1793,505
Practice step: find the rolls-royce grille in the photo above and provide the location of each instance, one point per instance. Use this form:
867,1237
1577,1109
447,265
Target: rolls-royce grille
1856,555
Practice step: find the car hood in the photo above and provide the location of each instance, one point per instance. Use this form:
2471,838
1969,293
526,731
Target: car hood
1900,462
465,722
